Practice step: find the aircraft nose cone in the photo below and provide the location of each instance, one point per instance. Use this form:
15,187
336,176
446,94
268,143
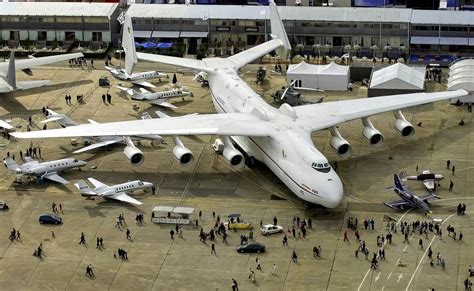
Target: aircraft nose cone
332,192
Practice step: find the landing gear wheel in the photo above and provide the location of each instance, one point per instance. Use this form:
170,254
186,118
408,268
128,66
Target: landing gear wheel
250,161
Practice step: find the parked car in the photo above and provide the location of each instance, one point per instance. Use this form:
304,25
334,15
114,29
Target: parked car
3,205
50,218
251,248
270,229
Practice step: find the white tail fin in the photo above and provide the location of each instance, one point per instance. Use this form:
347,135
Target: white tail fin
84,188
128,44
278,32
62,119
11,164
11,74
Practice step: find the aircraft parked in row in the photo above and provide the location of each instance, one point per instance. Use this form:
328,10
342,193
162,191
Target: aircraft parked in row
157,98
46,170
117,192
8,69
409,199
134,154
279,138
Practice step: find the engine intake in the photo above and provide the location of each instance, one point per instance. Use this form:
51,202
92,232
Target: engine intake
374,136
135,155
182,153
403,127
232,155
339,144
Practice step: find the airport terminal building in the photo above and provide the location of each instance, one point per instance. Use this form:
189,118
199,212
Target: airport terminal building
227,29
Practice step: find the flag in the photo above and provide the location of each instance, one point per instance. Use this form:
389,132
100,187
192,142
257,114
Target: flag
121,18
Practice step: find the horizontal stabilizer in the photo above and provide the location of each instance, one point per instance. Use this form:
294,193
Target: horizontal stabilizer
25,85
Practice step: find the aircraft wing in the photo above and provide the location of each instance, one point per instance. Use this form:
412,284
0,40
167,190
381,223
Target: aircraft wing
197,65
125,198
97,184
429,184
97,145
397,204
237,124
324,115
164,104
249,55
35,62
4,86
29,160
429,196
143,83
5,125
56,178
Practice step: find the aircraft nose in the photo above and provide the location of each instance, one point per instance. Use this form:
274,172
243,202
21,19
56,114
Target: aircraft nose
332,192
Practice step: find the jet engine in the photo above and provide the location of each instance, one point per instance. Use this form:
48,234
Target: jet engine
135,155
182,153
374,136
232,155
339,144
403,127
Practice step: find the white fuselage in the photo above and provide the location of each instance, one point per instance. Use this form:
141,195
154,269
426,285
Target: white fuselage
124,188
121,74
289,151
42,169
161,95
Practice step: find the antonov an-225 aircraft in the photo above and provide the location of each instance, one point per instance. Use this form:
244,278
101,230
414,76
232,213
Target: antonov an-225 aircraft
280,138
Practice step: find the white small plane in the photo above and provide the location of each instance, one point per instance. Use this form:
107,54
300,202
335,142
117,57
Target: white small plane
118,192
8,69
46,170
429,179
134,154
157,98
278,137
137,78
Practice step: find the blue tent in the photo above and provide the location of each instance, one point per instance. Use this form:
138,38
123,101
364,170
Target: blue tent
164,45
148,45
137,44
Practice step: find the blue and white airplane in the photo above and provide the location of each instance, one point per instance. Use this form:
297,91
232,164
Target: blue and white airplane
409,199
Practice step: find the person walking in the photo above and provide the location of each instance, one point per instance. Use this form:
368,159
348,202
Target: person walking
345,236
448,163
213,249
294,257
83,239
128,234
274,270
172,234
420,243
453,169
451,185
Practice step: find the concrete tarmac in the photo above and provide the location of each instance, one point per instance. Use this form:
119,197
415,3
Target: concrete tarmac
158,263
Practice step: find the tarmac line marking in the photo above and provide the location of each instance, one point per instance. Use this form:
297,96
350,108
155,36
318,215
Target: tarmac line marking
405,248
396,263
383,287
367,273
377,277
390,275
424,254
399,277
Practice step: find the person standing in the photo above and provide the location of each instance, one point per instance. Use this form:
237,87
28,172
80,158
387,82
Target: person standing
172,234
294,257
128,234
275,220
213,249
274,270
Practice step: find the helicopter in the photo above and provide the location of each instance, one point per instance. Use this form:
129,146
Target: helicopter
292,96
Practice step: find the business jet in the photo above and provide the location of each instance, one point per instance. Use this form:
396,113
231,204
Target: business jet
409,199
8,69
278,137
429,179
157,98
118,192
134,155
46,170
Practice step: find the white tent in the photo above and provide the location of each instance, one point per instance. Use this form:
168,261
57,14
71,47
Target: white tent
399,77
461,76
325,77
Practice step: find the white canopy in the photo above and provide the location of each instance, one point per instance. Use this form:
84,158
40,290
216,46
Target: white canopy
325,77
399,77
461,75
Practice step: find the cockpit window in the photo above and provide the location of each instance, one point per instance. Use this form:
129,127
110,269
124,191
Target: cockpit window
75,161
324,168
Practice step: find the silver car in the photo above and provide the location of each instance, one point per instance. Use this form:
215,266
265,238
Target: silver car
270,229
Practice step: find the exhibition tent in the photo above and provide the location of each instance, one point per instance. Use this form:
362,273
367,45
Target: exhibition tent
325,77
397,79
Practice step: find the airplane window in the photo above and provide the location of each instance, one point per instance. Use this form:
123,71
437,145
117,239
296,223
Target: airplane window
75,161
324,168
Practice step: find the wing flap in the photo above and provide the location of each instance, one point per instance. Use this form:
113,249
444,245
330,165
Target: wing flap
97,184
397,204
143,83
125,198
237,124
56,178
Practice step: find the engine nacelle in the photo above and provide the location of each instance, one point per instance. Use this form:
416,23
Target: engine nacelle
234,157
339,144
183,155
135,155
374,136
403,127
